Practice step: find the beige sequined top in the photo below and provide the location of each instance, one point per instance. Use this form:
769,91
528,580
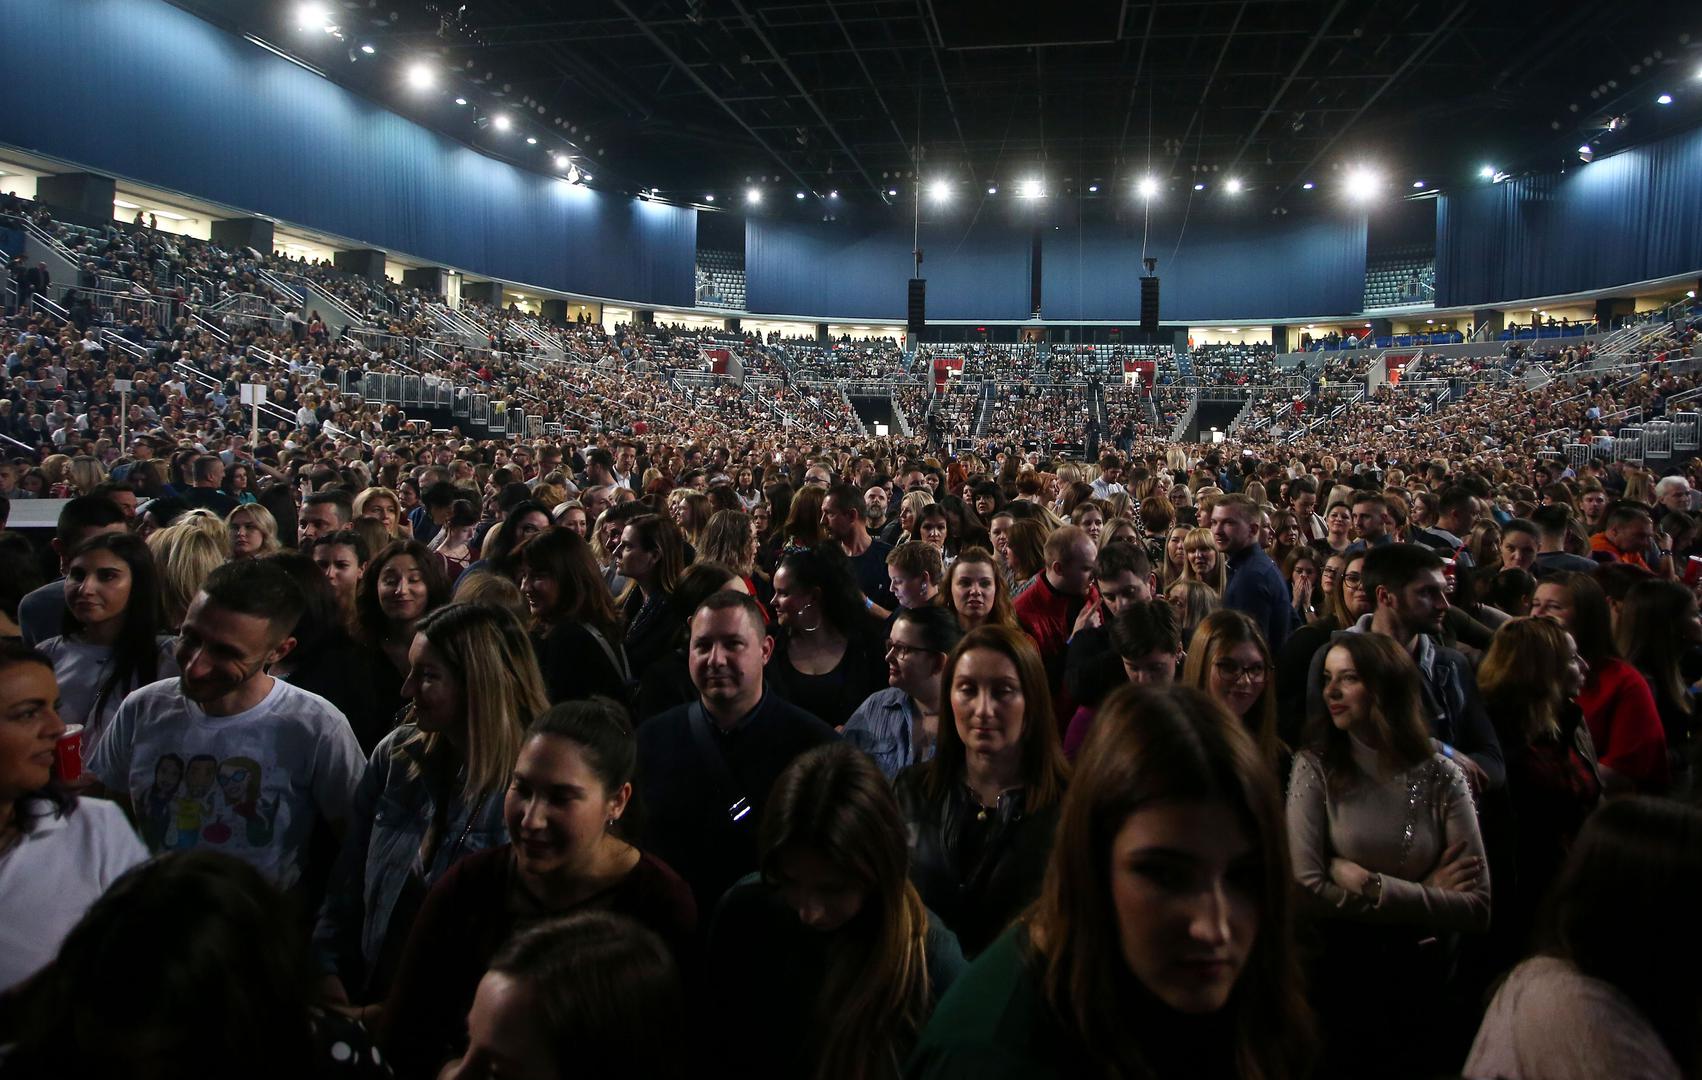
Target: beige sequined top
1395,825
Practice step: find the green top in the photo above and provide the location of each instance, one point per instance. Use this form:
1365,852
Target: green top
994,1024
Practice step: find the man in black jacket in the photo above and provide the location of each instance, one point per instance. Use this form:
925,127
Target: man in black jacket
705,769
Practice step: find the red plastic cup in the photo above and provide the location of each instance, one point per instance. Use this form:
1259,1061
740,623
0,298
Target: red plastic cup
68,754
1692,571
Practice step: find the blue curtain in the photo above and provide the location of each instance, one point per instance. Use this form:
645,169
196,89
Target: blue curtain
144,91
848,272
1623,219
1247,266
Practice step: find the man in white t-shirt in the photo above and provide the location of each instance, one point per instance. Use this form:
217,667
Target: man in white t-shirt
227,758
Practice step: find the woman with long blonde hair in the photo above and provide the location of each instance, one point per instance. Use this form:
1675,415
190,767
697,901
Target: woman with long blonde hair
831,937
186,552
253,532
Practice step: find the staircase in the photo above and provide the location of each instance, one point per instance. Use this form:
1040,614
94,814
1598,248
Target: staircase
1184,419
984,417
1096,403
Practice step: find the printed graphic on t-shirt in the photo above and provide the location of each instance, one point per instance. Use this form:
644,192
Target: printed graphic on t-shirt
206,801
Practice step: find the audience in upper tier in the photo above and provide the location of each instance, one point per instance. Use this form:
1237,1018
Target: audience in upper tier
680,738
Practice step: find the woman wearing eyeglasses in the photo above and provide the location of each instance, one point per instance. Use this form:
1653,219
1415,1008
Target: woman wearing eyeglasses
898,726
1229,660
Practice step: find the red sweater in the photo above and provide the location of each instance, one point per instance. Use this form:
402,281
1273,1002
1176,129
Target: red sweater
1049,616
1620,712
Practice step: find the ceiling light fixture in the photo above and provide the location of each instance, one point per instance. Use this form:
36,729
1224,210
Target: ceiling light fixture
1199,187
1031,189
1362,184
1487,172
799,195
709,197
501,122
1664,99
1418,183
531,140
1233,185
368,49
313,17
1148,187
460,101
1093,189
561,161
940,191
421,77
753,196
1308,185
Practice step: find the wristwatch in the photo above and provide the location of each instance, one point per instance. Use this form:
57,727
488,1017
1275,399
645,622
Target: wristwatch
1374,889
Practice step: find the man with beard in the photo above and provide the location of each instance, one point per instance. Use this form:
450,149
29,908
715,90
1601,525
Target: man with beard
225,706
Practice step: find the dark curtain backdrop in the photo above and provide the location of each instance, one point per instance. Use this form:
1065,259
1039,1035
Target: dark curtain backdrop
1627,218
1242,267
853,272
142,90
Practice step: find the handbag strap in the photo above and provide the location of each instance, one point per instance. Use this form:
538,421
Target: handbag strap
616,657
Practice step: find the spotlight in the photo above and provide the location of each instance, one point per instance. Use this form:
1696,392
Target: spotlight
1148,187
1586,153
420,77
368,49
992,191
561,161
891,191
833,194
710,197
1233,185
574,176
1199,187
1031,189
1487,172
1093,189
313,17
799,195
1418,183
460,101
531,140
1362,184
1664,99
1308,185
501,122
940,191
753,196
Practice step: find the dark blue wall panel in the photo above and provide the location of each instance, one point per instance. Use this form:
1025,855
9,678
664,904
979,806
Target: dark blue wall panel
849,272
1242,267
1627,218
146,91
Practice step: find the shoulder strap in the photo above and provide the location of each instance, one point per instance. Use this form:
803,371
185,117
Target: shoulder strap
616,654
715,767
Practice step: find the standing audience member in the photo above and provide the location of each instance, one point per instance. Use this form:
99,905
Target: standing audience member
827,656
706,768
432,791
826,964
1229,660
1386,844
899,726
651,557
1147,647
226,757
400,586
1048,612
1658,631
1162,943
981,812
41,613
976,593
114,640
567,853
1603,996
1255,587
58,854
577,631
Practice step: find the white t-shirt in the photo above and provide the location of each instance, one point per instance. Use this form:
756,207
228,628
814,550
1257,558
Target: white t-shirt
82,670
251,785
49,879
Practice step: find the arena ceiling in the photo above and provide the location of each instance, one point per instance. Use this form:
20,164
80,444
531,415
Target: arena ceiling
692,97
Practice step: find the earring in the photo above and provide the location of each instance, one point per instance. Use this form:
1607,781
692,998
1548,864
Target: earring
609,824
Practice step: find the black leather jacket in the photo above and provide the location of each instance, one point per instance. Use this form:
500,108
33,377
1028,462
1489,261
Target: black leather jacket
978,901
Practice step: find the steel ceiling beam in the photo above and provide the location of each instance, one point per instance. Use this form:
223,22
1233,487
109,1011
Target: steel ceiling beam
709,91
874,86
809,99
1294,72
931,30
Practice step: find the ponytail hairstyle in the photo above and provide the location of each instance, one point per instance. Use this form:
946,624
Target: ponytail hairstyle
834,803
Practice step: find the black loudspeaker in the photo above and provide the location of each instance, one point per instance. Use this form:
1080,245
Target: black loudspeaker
918,304
1149,305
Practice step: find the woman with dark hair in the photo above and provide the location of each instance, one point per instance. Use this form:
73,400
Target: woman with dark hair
1612,989
57,854
576,629
1228,659
802,531
730,540
1658,631
981,812
453,544
432,791
567,852
1386,845
826,657
523,521
934,526
228,980
651,557
1618,706
1162,943
1551,763
1025,554
776,508
585,996
401,585
1346,602
826,963
114,638
325,659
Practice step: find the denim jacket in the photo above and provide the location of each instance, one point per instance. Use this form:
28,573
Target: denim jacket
392,811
